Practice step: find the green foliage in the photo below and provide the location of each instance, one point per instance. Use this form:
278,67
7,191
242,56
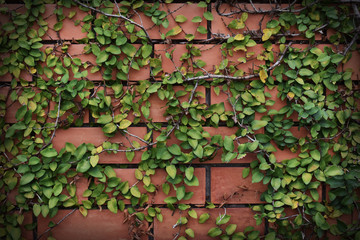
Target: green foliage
314,95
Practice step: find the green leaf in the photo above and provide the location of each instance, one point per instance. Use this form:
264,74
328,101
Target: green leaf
320,221
257,177
146,50
83,166
270,236
190,232
49,152
130,155
29,60
171,170
333,170
214,232
340,115
109,128
129,49
208,16
222,219
121,40
20,113
112,49
180,18
58,26
229,144
174,31
174,149
199,151
102,57
336,58
166,188
189,173
257,124
112,205
306,177
196,19
305,72
315,154
36,209
192,213
135,192
94,160
53,202
124,124
180,192
204,217
27,178
202,30
291,74
230,229
245,172
104,119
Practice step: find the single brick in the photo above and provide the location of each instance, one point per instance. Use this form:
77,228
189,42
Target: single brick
210,54
188,10
228,186
225,131
165,230
69,30
98,224
353,64
159,178
96,136
158,107
255,23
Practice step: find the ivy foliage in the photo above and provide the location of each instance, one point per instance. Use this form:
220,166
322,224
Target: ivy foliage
270,85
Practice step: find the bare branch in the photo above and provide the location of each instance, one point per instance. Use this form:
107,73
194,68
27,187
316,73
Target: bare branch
115,16
60,221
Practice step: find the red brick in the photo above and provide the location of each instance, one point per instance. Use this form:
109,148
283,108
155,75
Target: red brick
211,54
24,74
287,154
96,136
98,224
77,51
11,107
354,64
255,23
220,23
228,186
18,8
225,131
69,31
189,10
158,107
243,217
159,178
80,114
279,104
223,97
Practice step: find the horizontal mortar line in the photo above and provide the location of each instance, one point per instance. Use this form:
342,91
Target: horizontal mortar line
163,206
195,165
224,165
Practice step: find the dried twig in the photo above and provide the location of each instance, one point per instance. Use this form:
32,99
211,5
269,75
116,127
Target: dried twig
116,16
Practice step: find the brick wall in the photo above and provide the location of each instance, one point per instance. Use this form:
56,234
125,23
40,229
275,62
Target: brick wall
219,183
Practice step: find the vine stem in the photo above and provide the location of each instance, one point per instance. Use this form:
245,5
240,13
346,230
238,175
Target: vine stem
60,221
55,126
116,16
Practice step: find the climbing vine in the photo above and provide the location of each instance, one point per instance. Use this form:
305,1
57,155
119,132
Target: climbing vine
288,73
